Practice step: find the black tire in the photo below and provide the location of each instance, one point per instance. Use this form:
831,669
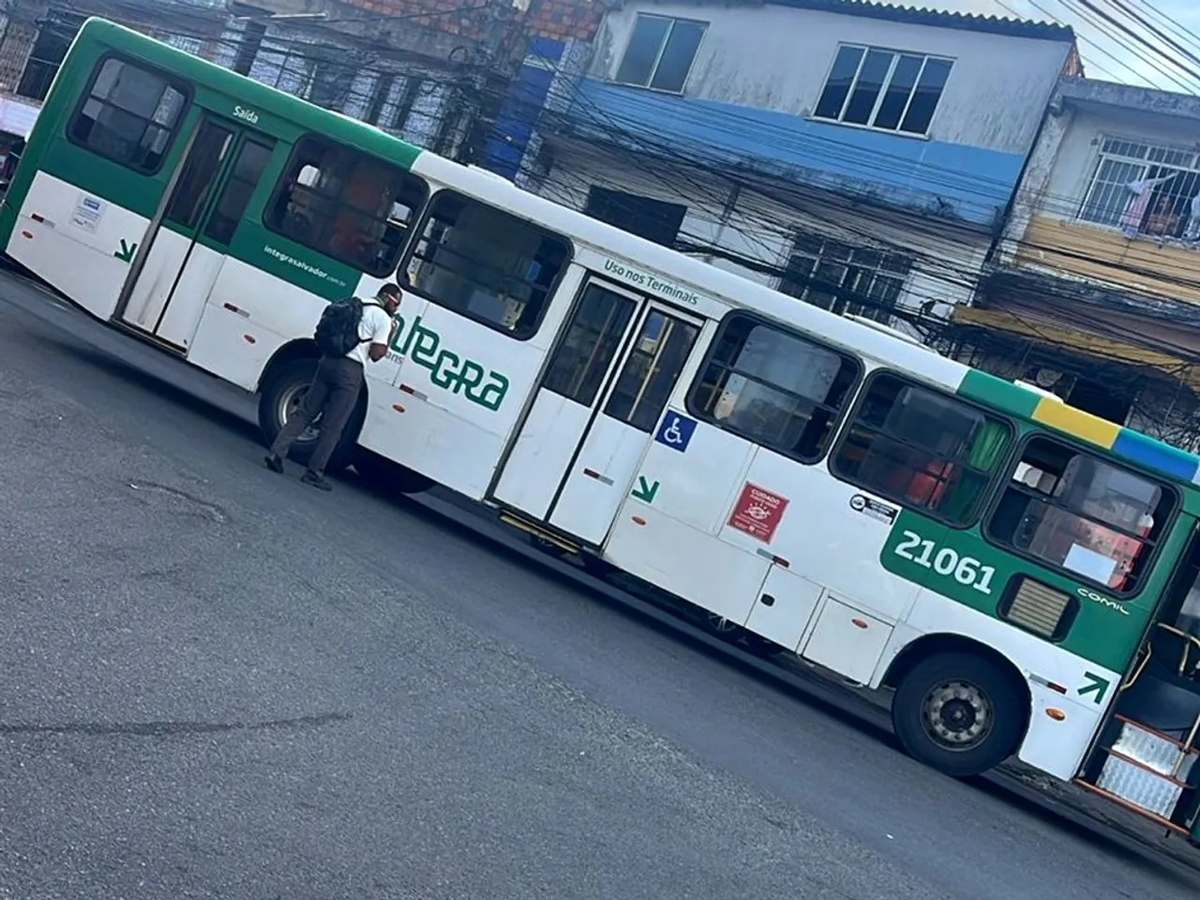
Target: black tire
387,476
719,626
550,548
284,387
595,566
760,646
959,713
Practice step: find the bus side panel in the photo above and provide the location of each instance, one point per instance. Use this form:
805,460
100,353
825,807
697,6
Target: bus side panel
1056,747
77,241
458,393
461,389
669,534
248,316
830,531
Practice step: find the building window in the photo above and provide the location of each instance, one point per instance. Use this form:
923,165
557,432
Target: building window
1145,189
883,89
486,264
774,387
661,52
345,204
54,38
655,220
332,76
1082,516
845,279
922,449
129,115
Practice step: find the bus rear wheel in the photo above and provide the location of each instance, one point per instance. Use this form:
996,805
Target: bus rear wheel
959,713
282,392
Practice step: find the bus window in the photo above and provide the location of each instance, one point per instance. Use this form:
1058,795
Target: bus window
345,204
129,116
1076,512
590,343
487,264
651,370
920,448
773,387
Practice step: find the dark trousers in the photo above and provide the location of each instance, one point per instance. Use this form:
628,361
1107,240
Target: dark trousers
332,394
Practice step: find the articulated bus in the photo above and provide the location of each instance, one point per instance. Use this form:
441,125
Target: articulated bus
1022,574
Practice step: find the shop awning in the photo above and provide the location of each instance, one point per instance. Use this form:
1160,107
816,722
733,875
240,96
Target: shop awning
1083,342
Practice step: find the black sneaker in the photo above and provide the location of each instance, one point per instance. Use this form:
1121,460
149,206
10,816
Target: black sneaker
274,463
312,479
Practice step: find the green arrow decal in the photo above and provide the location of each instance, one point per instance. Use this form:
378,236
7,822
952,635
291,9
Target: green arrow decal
125,254
645,490
1096,685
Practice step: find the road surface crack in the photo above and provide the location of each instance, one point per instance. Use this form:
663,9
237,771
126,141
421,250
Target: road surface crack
208,510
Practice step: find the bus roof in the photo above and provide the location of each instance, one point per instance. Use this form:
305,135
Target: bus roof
874,343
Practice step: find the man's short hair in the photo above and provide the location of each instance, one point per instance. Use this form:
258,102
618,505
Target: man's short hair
390,290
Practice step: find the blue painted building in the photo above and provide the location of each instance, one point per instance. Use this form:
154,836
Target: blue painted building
857,155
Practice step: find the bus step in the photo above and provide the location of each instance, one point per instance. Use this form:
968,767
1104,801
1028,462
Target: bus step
1146,769
538,532
1133,807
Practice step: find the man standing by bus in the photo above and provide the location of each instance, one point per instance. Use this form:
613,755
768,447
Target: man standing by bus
350,333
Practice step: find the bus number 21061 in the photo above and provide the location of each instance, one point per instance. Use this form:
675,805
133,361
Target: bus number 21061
947,561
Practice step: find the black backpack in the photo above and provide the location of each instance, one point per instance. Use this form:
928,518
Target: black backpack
337,330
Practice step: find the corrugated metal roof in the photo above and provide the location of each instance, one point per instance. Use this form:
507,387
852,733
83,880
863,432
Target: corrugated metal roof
1046,31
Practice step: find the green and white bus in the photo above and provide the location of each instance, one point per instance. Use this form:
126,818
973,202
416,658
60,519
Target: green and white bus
1023,574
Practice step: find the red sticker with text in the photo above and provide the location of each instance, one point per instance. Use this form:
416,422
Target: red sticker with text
757,512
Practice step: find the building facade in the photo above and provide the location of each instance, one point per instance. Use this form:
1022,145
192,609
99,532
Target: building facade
449,76
1094,291
858,156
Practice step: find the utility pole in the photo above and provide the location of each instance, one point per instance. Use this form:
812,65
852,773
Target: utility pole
498,59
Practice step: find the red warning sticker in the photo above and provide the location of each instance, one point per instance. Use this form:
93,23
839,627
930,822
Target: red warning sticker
758,512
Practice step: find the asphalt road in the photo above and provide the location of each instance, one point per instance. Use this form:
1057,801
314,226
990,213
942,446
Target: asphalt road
215,682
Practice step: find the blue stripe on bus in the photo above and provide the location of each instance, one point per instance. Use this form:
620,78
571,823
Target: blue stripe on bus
1154,454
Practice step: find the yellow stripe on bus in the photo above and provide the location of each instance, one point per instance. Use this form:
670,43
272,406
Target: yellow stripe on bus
1053,412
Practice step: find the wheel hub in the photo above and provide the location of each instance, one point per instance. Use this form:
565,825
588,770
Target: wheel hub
720,624
957,715
289,402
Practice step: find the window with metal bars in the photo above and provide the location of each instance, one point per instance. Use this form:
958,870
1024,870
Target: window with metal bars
54,37
923,449
845,279
772,386
1145,189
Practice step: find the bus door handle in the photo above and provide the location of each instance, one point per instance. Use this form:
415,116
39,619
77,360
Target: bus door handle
768,600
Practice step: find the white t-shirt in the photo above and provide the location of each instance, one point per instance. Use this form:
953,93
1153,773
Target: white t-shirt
375,328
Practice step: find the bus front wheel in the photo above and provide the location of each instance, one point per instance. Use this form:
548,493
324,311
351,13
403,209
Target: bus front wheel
282,392
959,713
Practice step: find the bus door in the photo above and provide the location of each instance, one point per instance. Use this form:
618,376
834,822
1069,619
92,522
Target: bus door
607,382
169,284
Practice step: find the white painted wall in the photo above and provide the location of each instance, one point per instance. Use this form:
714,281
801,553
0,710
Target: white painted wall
1074,164
777,58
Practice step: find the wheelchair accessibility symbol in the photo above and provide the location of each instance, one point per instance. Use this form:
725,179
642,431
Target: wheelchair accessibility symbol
676,431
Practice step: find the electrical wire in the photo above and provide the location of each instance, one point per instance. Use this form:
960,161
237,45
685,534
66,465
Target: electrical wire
684,175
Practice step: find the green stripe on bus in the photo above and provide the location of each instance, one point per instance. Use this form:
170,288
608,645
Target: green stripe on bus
1004,395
